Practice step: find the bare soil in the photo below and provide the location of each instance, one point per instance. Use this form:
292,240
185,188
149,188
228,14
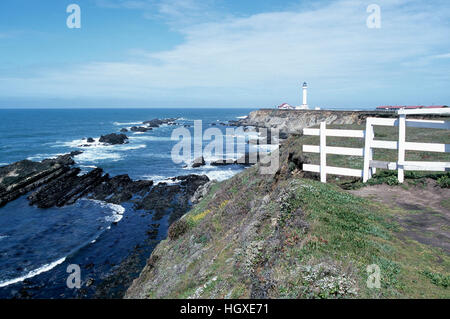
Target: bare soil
426,216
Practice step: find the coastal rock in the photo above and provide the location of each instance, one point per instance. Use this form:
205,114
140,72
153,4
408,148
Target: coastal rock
154,123
198,162
223,162
140,129
21,177
201,191
119,189
158,122
173,199
54,182
192,182
114,139
65,189
124,130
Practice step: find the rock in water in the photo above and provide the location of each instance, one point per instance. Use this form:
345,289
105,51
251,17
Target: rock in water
65,189
140,129
223,162
114,139
199,162
19,178
154,123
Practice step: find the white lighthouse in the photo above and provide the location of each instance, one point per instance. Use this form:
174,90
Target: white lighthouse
304,106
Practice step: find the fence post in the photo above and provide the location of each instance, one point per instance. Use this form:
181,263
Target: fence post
323,153
401,147
368,138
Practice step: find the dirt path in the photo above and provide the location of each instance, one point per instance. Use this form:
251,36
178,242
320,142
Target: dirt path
426,207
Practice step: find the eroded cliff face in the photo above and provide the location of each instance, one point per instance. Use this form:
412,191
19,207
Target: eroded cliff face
294,121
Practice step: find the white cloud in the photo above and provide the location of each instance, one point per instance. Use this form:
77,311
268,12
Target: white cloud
264,57
173,12
441,56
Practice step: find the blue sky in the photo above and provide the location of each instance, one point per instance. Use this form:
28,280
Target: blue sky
223,53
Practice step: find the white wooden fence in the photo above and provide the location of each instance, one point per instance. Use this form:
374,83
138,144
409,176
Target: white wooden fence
370,166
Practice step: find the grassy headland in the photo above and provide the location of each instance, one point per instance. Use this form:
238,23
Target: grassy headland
289,236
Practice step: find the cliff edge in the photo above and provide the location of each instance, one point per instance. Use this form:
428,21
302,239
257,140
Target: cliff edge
287,235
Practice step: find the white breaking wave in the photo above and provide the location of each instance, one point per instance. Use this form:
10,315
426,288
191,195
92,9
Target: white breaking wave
242,117
3,236
129,147
157,179
40,157
150,138
105,152
83,144
128,123
4,164
88,166
219,175
33,273
95,155
118,211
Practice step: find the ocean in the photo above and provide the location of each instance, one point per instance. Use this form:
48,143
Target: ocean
37,245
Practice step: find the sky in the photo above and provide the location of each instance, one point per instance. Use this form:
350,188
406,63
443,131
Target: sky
224,53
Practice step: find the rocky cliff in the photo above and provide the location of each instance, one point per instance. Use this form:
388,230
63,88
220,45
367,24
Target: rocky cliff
294,121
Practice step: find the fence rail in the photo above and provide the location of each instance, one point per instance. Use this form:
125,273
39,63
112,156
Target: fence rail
370,166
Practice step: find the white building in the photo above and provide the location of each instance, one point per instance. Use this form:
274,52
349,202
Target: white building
304,106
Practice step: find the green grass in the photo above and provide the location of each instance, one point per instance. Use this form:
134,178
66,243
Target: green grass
355,231
437,279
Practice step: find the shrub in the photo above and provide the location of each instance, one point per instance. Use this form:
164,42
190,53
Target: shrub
437,279
177,229
444,181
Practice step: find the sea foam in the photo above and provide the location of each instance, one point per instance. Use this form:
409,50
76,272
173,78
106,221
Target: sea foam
33,273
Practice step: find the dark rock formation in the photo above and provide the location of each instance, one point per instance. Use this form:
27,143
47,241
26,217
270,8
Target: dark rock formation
158,122
172,199
119,189
90,140
198,162
114,139
154,123
124,130
19,178
56,183
140,129
223,162
66,189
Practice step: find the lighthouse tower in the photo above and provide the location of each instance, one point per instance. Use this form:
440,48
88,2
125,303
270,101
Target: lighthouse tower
304,106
